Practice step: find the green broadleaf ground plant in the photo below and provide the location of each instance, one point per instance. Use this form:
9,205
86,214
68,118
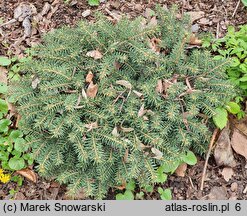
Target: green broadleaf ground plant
93,2
106,108
244,2
165,194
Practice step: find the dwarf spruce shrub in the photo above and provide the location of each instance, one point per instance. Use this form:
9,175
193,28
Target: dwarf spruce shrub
106,103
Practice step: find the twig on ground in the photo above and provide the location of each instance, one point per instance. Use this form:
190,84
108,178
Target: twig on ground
207,157
8,23
236,8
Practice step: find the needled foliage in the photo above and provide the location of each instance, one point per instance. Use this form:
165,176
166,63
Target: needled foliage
106,103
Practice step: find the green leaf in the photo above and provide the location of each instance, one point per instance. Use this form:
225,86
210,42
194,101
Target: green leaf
17,179
244,2
243,79
220,118
4,125
149,188
93,2
170,167
3,88
128,195
4,156
131,185
233,107
4,61
140,195
160,190
161,176
190,158
20,145
3,108
15,134
16,163
166,195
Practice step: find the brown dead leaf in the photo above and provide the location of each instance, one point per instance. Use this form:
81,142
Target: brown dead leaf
117,65
153,21
138,94
218,193
92,90
223,153
124,83
89,77
234,186
227,173
239,143
195,15
181,170
115,132
52,11
3,75
159,87
96,54
154,44
126,130
19,196
194,40
29,174
121,187
45,9
125,159
91,125
141,111
157,153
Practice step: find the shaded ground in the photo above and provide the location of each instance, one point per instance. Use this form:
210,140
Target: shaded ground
210,16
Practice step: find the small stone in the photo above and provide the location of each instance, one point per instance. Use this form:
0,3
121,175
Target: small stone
234,186
195,28
86,13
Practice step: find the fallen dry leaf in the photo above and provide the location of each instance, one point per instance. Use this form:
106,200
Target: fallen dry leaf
28,173
92,90
218,193
3,75
239,143
115,132
154,44
91,125
223,153
96,54
45,9
159,87
227,173
234,186
125,159
19,196
195,15
138,94
124,83
35,82
181,170
86,13
89,77
157,153
194,40
126,130
141,111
